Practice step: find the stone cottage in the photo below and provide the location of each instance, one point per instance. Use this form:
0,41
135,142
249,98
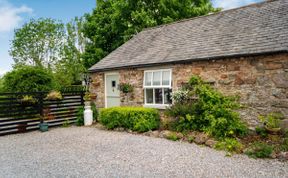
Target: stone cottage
241,51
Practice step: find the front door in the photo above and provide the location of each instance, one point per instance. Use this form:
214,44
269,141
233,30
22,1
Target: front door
112,91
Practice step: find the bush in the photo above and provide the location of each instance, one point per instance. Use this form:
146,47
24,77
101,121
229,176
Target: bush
54,95
178,110
261,131
212,112
80,116
259,150
284,145
28,79
95,111
135,118
272,120
230,145
180,96
173,136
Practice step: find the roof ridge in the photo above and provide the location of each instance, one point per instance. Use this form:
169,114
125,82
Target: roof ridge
208,15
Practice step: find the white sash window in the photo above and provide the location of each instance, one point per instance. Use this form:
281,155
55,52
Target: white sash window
158,87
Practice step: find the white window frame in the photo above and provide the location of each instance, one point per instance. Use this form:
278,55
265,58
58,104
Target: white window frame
154,105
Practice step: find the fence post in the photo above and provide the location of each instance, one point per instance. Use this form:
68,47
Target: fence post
82,98
41,107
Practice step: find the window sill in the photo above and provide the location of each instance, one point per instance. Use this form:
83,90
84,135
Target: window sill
156,106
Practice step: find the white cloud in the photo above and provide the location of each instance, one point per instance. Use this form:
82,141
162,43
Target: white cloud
229,4
10,15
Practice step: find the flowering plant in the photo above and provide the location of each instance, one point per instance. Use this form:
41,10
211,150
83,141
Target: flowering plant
180,96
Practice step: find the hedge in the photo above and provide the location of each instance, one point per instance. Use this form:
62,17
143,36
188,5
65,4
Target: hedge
134,118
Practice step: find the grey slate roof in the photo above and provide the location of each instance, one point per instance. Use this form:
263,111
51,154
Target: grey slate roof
254,29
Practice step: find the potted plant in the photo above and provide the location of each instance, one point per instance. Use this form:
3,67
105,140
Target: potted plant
54,96
93,96
125,87
87,98
28,100
271,122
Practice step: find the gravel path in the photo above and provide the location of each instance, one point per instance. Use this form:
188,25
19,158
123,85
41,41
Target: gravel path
89,152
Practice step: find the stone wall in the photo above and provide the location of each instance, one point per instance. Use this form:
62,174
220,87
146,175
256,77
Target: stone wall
261,82
98,87
135,78
132,76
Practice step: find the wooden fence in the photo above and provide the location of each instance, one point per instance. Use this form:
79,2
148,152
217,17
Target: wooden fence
16,116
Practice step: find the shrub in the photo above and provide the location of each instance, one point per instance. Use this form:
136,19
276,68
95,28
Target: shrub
180,96
190,138
66,123
178,110
230,145
80,116
172,136
186,123
272,120
259,150
284,145
28,100
261,131
54,95
212,112
95,111
28,79
135,118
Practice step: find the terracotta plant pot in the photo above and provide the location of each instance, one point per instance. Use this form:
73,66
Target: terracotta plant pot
93,97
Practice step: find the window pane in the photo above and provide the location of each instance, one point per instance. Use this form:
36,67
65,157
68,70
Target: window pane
158,96
148,76
149,96
166,78
167,96
156,78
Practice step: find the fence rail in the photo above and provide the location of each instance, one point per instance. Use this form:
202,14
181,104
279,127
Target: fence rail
18,117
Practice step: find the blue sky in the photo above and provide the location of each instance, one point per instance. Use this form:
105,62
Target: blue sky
13,13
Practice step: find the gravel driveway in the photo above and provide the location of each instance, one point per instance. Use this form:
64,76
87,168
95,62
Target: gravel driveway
90,152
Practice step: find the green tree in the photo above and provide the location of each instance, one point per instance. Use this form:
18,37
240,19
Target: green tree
27,79
1,84
113,22
70,66
38,43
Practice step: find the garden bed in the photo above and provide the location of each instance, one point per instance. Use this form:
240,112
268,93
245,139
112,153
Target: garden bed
203,115
200,138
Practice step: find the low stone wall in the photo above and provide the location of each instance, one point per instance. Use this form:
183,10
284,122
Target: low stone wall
261,82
